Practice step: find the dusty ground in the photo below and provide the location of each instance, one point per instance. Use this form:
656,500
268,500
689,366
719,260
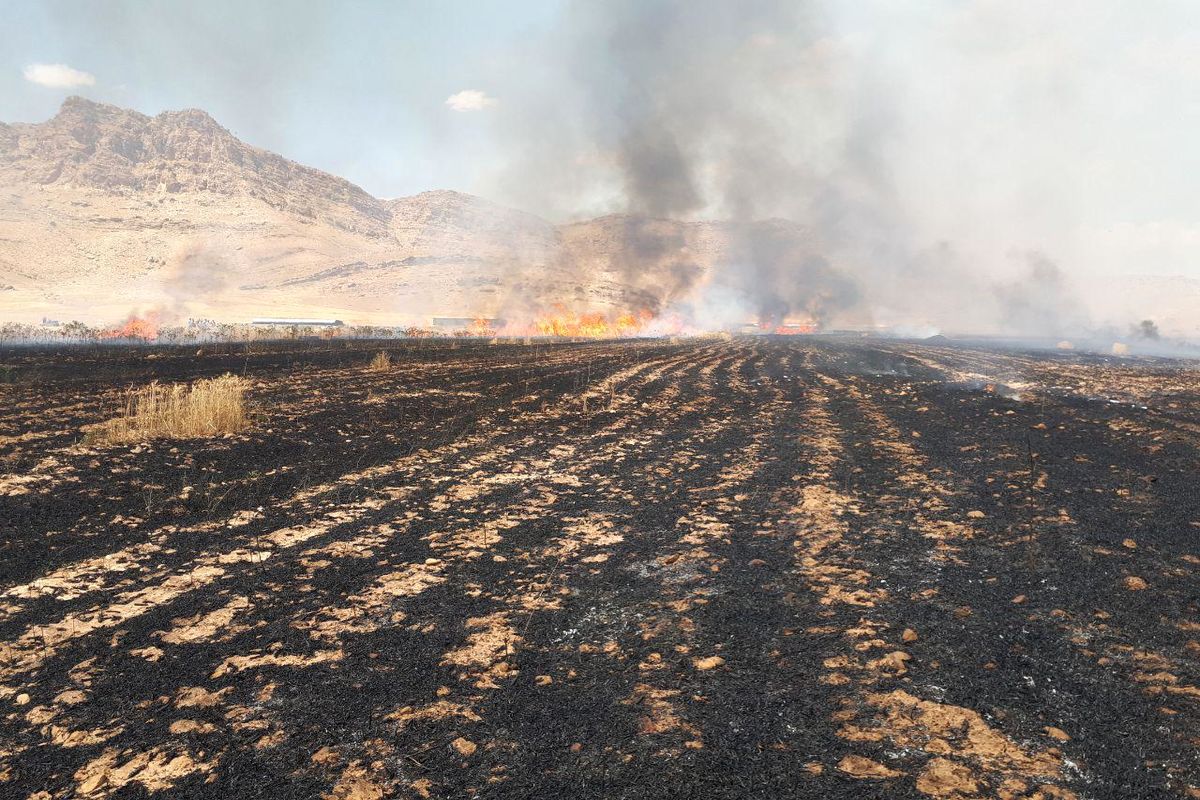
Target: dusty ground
759,568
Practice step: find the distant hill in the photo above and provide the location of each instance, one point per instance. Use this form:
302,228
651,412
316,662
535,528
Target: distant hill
104,211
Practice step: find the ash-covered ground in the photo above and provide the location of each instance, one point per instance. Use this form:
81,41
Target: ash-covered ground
793,567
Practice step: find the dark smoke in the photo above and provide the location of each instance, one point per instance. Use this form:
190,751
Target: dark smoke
709,109
1147,329
655,262
1042,302
784,275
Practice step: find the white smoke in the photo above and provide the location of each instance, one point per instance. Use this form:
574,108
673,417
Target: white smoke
922,154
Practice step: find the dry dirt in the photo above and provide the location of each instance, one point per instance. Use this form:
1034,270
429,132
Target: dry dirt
799,567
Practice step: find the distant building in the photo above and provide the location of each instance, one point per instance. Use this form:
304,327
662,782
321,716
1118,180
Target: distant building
284,322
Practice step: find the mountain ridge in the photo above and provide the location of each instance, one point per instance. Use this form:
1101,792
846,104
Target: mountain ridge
119,150
106,211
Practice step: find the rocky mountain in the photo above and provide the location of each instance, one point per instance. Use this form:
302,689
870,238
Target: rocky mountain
105,211
124,153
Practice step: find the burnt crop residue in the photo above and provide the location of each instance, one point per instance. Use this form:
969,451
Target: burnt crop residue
749,567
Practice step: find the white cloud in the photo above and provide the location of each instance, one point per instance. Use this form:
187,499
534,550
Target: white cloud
58,76
470,100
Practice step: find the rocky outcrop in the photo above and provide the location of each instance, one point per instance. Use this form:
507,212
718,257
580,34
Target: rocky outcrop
118,151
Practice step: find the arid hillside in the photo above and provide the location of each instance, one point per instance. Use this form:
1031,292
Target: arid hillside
105,211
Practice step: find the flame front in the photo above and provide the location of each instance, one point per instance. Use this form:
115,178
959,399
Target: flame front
135,327
592,325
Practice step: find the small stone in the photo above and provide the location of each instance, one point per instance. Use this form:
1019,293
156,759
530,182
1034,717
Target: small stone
1057,733
92,783
710,662
1136,584
909,635
576,747
757,562
543,680
1019,599
326,756
944,778
22,699
975,514
1130,543
71,697
859,767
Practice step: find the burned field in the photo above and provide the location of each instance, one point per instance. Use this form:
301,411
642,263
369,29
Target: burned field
788,567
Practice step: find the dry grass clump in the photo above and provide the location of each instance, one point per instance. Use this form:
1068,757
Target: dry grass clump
380,363
178,411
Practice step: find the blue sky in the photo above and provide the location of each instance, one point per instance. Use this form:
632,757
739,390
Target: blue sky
355,88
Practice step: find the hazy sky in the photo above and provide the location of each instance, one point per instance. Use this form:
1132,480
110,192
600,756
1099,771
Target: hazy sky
355,88
1070,126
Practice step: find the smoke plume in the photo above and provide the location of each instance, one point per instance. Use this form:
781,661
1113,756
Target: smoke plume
1041,303
763,116
196,274
709,110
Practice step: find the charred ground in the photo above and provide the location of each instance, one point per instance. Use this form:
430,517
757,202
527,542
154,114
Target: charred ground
766,567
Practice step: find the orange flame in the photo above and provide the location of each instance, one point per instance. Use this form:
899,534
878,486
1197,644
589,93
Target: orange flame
589,325
135,327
